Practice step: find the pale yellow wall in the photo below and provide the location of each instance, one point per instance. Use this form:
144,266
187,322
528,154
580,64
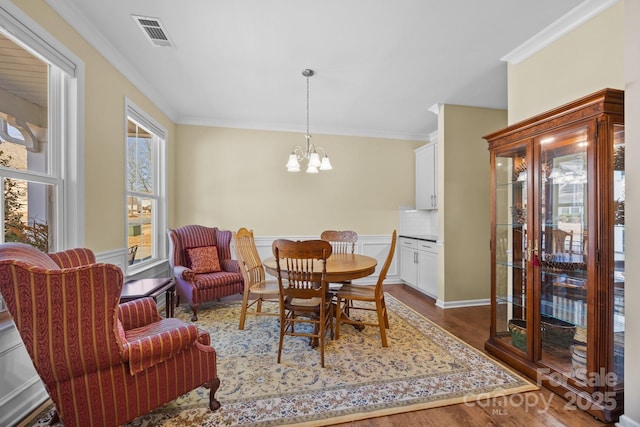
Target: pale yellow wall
583,61
632,206
105,91
463,193
234,178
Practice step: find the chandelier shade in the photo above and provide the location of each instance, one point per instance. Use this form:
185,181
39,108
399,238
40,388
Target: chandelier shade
316,158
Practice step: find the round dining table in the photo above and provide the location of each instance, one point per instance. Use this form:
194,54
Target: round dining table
340,267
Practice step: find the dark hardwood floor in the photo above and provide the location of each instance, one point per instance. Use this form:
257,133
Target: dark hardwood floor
471,324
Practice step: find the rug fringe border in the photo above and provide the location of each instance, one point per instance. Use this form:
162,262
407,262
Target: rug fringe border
415,407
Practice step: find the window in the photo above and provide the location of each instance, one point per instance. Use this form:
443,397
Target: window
145,195
39,146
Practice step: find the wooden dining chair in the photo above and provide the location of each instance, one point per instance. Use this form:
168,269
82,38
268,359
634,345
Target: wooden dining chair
257,288
131,254
558,241
342,242
367,294
301,271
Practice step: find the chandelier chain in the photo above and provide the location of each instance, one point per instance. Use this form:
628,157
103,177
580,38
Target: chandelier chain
307,106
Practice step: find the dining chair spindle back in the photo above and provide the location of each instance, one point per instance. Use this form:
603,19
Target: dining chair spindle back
301,271
342,242
257,288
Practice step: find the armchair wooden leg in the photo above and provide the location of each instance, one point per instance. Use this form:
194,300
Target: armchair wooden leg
194,308
213,385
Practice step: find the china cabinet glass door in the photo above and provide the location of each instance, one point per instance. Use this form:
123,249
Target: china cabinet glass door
561,249
510,266
618,254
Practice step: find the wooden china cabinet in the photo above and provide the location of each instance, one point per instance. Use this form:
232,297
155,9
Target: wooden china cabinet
557,250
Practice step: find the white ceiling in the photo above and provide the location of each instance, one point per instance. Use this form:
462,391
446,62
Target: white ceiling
380,64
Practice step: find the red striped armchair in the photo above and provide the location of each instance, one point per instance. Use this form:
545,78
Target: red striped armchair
200,258
103,363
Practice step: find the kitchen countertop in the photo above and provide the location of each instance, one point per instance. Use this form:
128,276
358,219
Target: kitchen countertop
426,237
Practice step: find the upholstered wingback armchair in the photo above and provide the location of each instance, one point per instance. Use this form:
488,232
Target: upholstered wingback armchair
201,261
103,364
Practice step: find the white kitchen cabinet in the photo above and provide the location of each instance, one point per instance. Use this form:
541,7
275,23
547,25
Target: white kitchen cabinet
419,265
426,177
408,269
428,270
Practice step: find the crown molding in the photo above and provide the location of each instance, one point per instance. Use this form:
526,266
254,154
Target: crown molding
433,136
435,108
74,17
287,127
566,23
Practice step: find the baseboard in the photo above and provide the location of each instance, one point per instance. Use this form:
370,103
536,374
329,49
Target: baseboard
627,422
462,303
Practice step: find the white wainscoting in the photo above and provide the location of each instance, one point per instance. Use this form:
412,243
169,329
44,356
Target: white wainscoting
376,246
119,257
21,390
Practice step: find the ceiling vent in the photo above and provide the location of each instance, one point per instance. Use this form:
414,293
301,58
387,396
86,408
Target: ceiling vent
154,30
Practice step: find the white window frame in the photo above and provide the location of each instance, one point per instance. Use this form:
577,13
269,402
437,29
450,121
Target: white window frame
65,122
159,214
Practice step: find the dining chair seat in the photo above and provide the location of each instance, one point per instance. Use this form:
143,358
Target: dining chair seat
357,292
304,303
371,298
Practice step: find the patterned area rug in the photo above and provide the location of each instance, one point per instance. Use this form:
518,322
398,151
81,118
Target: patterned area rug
423,367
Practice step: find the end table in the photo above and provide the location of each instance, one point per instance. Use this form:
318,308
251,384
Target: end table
154,287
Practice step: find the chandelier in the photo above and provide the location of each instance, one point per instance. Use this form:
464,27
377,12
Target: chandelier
315,161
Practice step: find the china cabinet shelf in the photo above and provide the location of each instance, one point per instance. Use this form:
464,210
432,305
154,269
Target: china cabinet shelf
517,265
557,233
511,300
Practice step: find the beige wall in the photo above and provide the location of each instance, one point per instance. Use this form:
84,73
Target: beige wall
234,178
463,193
632,231
584,61
105,91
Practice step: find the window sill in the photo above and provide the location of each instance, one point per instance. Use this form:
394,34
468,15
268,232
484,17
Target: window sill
159,265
